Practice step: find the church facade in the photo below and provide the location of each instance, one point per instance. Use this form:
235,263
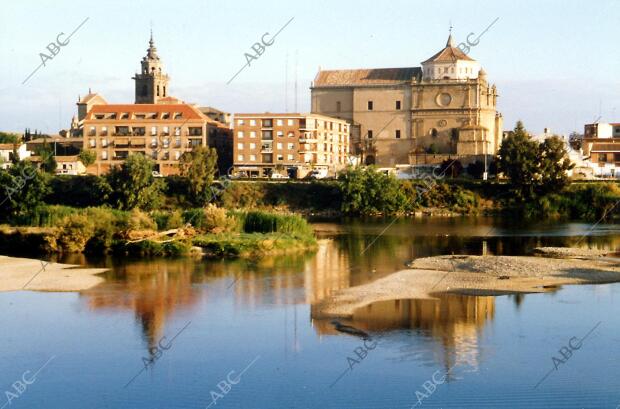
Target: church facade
445,109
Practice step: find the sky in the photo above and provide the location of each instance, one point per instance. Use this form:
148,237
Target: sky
555,63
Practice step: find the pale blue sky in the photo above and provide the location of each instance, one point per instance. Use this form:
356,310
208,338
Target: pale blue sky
555,63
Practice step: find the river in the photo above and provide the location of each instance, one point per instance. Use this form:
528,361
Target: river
185,333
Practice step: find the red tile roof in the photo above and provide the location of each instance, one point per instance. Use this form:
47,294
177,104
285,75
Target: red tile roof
371,76
187,111
449,54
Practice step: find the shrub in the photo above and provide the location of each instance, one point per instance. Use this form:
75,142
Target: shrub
75,231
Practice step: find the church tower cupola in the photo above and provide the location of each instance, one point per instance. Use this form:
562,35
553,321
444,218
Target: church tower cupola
451,63
151,82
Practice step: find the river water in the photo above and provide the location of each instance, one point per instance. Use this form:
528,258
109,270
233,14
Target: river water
184,333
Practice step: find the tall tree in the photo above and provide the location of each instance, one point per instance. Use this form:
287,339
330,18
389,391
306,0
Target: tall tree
534,169
133,184
199,167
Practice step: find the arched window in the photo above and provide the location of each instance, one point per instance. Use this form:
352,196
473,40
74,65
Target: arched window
433,132
158,90
164,91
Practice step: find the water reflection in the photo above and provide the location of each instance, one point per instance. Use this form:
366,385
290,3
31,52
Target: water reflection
353,255
453,322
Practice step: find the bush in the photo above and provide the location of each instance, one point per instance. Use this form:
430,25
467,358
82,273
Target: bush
75,231
366,192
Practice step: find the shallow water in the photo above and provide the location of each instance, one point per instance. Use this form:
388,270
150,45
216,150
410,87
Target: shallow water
198,321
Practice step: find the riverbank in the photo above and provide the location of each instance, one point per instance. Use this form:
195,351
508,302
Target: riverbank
213,232
475,275
17,274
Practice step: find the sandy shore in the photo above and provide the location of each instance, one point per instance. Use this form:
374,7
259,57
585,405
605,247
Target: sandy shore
36,275
476,275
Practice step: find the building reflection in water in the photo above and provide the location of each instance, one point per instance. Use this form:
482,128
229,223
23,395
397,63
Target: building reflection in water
155,289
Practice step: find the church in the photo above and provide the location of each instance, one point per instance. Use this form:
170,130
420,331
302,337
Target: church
445,109
157,125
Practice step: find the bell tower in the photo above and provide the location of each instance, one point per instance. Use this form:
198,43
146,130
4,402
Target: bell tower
151,82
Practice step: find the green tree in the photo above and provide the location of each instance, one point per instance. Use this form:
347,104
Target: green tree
476,169
518,160
133,184
87,157
534,169
23,189
553,166
8,137
367,191
199,167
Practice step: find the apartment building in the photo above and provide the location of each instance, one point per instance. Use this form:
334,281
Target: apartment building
288,144
162,132
601,143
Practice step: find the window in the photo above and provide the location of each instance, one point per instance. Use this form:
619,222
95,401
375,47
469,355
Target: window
279,122
291,122
253,158
434,133
177,155
338,107
289,157
252,145
280,134
104,155
153,130
290,146
165,131
93,143
164,91
267,134
370,105
158,90
602,157
369,134
239,157
91,131
279,145
240,134
240,122
397,134
177,131
398,105
104,142
239,146
267,123
280,157
252,134
252,122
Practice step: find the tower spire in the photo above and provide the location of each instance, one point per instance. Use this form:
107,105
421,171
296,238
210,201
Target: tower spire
450,42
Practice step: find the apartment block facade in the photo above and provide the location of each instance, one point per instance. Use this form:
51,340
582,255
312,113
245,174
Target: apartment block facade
161,132
291,145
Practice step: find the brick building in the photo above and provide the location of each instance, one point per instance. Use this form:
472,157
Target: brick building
289,144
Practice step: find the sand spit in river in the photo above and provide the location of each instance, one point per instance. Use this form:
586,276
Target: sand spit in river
37,275
477,275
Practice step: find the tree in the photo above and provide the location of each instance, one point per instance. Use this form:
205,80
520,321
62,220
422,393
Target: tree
450,168
87,157
48,161
8,137
518,157
133,184
476,169
23,189
366,191
199,167
533,169
575,140
554,164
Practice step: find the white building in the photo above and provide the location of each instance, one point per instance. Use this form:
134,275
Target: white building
6,153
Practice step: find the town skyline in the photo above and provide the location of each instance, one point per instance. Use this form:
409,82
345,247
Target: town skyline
524,67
